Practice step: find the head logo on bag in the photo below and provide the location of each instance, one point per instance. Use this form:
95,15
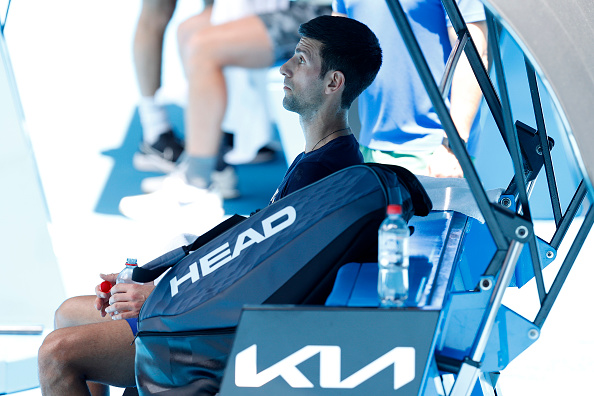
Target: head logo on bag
222,255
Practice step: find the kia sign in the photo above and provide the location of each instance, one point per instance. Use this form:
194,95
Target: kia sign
246,373
329,351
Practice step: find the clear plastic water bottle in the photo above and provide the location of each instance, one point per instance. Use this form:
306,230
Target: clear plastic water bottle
393,235
125,276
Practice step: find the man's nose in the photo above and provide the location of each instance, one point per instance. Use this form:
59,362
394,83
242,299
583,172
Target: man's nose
284,69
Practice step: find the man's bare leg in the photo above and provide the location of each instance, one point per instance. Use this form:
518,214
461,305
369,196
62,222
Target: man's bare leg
148,43
79,311
100,352
204,53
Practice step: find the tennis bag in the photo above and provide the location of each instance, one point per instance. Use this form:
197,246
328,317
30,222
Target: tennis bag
287,253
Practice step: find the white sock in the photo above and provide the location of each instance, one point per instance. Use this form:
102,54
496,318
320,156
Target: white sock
153,119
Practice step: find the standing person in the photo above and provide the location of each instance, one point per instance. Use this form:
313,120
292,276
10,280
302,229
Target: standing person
334,61
398,122
254,41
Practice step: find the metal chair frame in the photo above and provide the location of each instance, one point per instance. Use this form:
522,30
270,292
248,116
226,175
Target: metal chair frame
510,229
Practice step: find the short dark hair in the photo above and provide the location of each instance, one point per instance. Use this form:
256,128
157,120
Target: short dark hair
348,46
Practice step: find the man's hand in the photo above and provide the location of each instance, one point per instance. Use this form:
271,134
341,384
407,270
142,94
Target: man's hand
124,298
102,300
443,163
127,299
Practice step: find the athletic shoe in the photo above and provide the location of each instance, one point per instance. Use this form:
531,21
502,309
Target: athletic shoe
176,199
265,154
223,183
161,156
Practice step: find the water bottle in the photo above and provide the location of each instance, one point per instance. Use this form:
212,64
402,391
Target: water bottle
393,235
125,276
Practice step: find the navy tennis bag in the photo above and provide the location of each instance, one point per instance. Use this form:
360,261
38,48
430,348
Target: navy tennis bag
287,253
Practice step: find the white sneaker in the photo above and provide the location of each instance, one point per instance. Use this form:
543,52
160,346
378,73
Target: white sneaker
174,200
223,183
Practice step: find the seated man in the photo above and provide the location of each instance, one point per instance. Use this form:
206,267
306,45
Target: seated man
335,60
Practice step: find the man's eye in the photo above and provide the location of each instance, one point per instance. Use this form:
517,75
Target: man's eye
301,60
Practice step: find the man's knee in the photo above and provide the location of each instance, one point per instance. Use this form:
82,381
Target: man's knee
54,353
193,25
193,41
68,313
76,311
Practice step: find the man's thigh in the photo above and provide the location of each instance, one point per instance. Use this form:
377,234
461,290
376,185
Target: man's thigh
103,352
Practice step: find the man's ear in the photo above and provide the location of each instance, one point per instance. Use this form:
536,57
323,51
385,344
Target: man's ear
334,81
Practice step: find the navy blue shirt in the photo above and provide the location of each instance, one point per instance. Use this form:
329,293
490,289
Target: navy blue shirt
308,168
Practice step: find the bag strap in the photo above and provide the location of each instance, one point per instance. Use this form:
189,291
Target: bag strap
214,232
153,269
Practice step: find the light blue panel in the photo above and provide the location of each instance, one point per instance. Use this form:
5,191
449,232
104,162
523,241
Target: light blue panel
492,161
30,282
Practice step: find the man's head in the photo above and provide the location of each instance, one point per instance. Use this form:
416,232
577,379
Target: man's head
348,46
334,52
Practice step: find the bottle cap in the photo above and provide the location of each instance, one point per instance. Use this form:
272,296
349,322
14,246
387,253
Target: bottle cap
131,261
105,286
394,209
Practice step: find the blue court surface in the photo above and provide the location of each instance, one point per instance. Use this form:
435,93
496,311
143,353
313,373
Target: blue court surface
72,62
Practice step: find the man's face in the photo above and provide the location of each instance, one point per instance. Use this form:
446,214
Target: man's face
303,86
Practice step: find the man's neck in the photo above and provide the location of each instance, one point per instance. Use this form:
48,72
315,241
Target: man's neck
322,130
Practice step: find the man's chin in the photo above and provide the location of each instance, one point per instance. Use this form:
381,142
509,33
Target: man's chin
289,105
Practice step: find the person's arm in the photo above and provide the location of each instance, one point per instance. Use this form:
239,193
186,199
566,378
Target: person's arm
465,98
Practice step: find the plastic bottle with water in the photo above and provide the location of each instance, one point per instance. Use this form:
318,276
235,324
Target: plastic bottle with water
393,235
125,276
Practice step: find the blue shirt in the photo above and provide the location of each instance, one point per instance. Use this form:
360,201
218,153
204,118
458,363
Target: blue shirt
395,111
308,168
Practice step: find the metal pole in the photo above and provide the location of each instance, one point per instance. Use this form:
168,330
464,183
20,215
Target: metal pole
470,368
565,268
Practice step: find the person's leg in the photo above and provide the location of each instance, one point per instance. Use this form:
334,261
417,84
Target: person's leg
204,53
79,311
148,43
99,352
160,147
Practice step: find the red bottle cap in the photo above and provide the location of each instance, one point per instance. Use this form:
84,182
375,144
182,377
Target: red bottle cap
105,286
394,209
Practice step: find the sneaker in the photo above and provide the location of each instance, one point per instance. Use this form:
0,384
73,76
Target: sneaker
176,199
223,183
161,156
265,154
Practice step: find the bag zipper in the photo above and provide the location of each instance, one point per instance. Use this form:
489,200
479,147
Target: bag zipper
217,331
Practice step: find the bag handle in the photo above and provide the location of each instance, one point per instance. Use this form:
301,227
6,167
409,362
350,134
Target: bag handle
153,269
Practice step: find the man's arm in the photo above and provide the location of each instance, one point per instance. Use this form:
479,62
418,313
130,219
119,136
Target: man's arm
465,99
